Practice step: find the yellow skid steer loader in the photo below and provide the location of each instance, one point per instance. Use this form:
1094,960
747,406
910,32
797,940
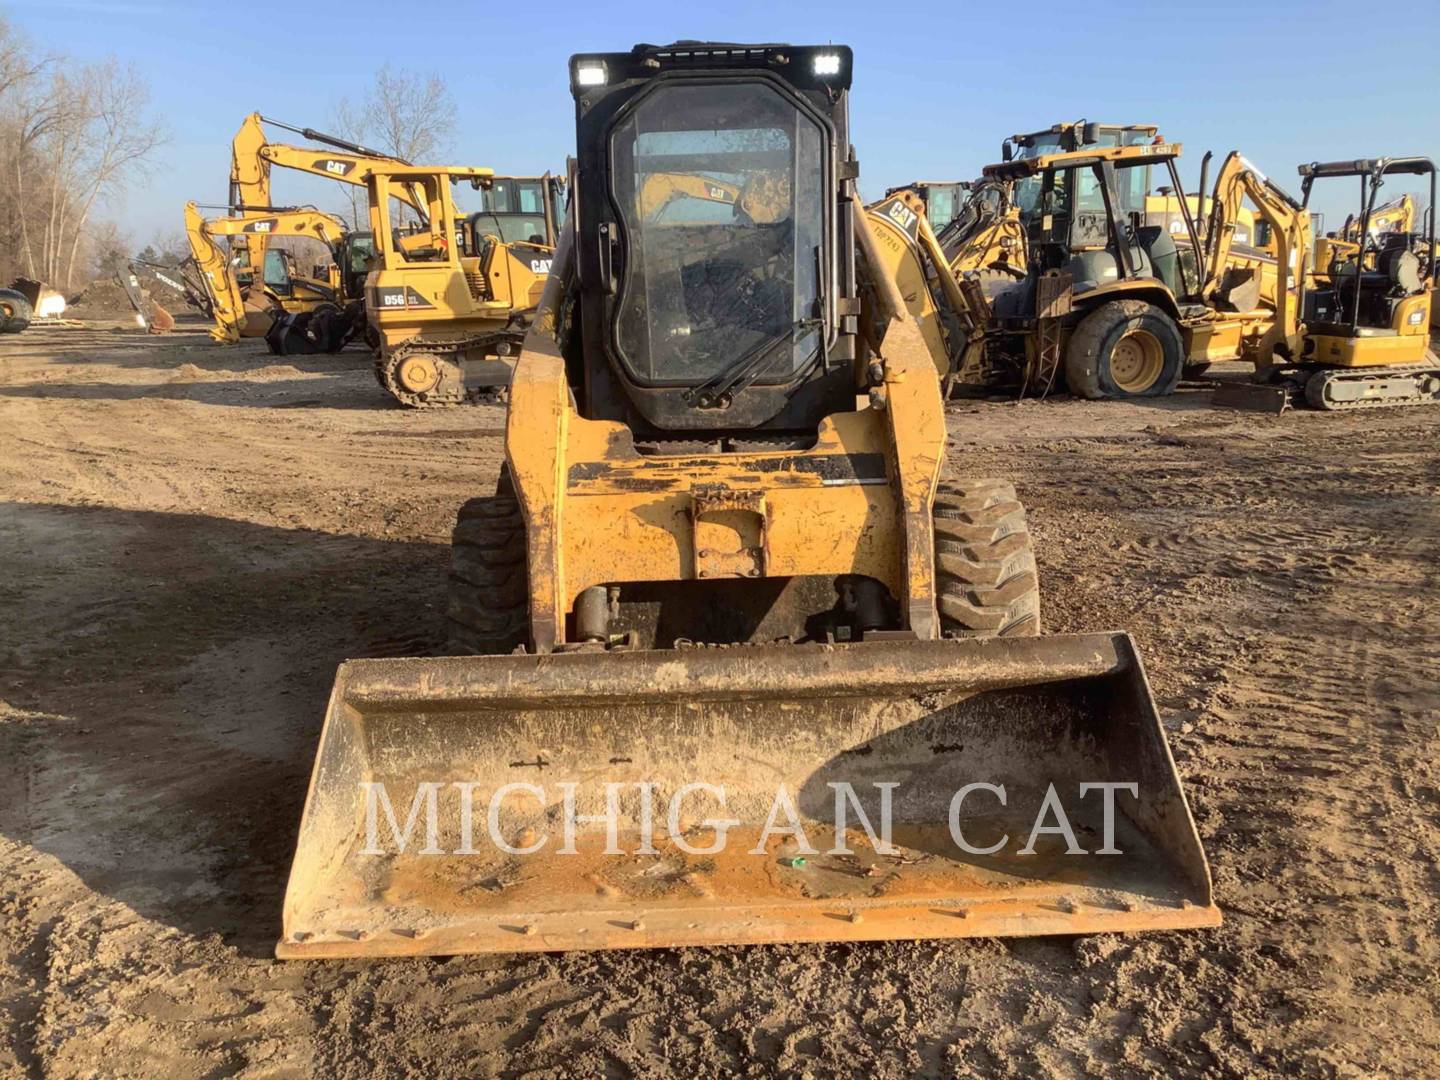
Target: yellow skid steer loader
760,667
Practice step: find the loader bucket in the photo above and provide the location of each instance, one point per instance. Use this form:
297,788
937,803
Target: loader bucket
533,803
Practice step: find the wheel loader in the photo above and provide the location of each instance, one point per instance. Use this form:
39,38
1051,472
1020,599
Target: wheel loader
752,662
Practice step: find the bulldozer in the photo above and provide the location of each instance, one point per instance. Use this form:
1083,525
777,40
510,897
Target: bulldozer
448,302
739,658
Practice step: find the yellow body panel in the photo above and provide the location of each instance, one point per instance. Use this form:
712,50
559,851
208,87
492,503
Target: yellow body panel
1368,351
597,512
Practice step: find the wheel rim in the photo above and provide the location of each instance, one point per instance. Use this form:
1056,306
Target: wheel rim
6,310
1137,361
418,374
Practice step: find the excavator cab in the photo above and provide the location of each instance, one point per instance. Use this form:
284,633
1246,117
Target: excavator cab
727,581
1369,304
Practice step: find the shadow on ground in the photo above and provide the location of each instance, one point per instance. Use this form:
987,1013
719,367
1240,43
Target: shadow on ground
170,673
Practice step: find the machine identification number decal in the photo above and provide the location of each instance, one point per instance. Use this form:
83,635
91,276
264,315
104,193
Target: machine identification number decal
393,297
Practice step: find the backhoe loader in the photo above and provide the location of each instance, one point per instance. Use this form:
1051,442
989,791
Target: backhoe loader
1110,304
754,665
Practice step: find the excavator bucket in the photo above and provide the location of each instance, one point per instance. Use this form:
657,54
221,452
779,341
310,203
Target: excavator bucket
893,789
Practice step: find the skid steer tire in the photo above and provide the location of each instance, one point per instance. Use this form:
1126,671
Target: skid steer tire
985,578
489,593
15,311
1124,349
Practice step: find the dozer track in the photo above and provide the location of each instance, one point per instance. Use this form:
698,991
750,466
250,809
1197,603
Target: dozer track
446,360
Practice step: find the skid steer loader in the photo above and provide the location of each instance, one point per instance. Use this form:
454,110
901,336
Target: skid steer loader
760,667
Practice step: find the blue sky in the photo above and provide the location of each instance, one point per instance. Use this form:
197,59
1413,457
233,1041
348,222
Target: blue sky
937,85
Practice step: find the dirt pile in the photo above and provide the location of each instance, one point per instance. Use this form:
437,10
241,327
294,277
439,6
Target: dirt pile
105,298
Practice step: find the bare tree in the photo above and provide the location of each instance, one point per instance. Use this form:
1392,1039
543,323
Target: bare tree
404,113
106,142
110,249
71,136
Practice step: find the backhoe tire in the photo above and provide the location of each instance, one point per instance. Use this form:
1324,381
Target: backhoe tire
985,578
15,312
1124,349
489,598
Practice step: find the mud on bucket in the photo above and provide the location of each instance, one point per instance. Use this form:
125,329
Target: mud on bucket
886,790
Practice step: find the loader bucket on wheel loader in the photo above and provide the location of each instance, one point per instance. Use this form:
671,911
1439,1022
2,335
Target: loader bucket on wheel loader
630,799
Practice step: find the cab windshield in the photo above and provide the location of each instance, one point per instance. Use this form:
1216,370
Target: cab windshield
514,210
720,190
1027,191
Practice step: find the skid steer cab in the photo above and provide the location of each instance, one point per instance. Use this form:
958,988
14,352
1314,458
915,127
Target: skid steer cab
728,598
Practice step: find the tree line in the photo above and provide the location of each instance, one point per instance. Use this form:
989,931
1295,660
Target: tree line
72,136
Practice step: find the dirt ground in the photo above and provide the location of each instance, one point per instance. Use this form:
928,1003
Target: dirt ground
193,537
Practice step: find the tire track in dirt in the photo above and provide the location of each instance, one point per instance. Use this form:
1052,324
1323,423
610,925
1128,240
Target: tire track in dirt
198,568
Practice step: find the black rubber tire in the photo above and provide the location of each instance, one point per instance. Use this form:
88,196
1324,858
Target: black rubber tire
1087,356
15,312
986,583
489,599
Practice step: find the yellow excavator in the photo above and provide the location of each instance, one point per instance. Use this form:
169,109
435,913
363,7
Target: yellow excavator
327,301
253,155
1366,304
756,662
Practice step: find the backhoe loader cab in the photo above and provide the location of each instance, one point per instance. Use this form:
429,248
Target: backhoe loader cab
1088,217
727,554
1068,137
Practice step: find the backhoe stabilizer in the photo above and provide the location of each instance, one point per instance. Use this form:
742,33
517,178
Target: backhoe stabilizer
570,801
